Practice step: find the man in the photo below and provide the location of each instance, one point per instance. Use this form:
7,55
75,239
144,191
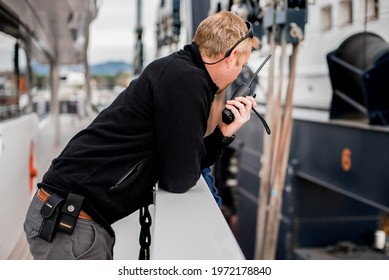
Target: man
152,132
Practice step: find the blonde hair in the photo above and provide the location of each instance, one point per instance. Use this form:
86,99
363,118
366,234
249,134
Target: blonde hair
219,32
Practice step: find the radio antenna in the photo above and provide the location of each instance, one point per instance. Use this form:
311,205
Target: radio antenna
259,69
267,128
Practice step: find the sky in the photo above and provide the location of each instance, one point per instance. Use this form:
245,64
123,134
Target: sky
112,33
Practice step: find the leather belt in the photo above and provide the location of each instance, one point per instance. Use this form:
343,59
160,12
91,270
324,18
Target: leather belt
43,195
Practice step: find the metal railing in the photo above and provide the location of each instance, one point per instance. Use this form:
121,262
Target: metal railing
191,226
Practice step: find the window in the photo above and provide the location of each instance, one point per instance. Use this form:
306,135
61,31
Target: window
40,88
326,18
370,9
23,82
345,16
9,99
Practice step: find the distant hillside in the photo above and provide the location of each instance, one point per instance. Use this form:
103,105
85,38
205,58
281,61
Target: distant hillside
111,68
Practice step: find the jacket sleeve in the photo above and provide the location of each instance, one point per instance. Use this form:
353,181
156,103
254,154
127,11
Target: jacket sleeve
181,108
214,148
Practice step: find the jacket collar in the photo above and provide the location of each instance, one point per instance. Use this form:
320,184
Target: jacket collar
194,53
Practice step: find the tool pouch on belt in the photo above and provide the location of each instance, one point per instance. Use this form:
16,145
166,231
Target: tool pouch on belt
50,212
70,211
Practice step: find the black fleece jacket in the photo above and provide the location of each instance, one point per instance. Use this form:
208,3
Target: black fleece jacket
153,131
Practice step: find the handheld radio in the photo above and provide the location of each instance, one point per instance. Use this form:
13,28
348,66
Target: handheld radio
245,90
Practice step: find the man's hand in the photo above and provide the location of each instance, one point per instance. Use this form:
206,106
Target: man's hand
241,108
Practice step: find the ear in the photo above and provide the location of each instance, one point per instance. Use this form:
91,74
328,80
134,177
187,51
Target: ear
233,57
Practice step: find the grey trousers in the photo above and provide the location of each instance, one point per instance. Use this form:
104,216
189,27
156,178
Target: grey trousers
89,241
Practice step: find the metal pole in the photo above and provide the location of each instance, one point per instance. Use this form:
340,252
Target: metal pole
88,90
266,160
54,78
138,57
